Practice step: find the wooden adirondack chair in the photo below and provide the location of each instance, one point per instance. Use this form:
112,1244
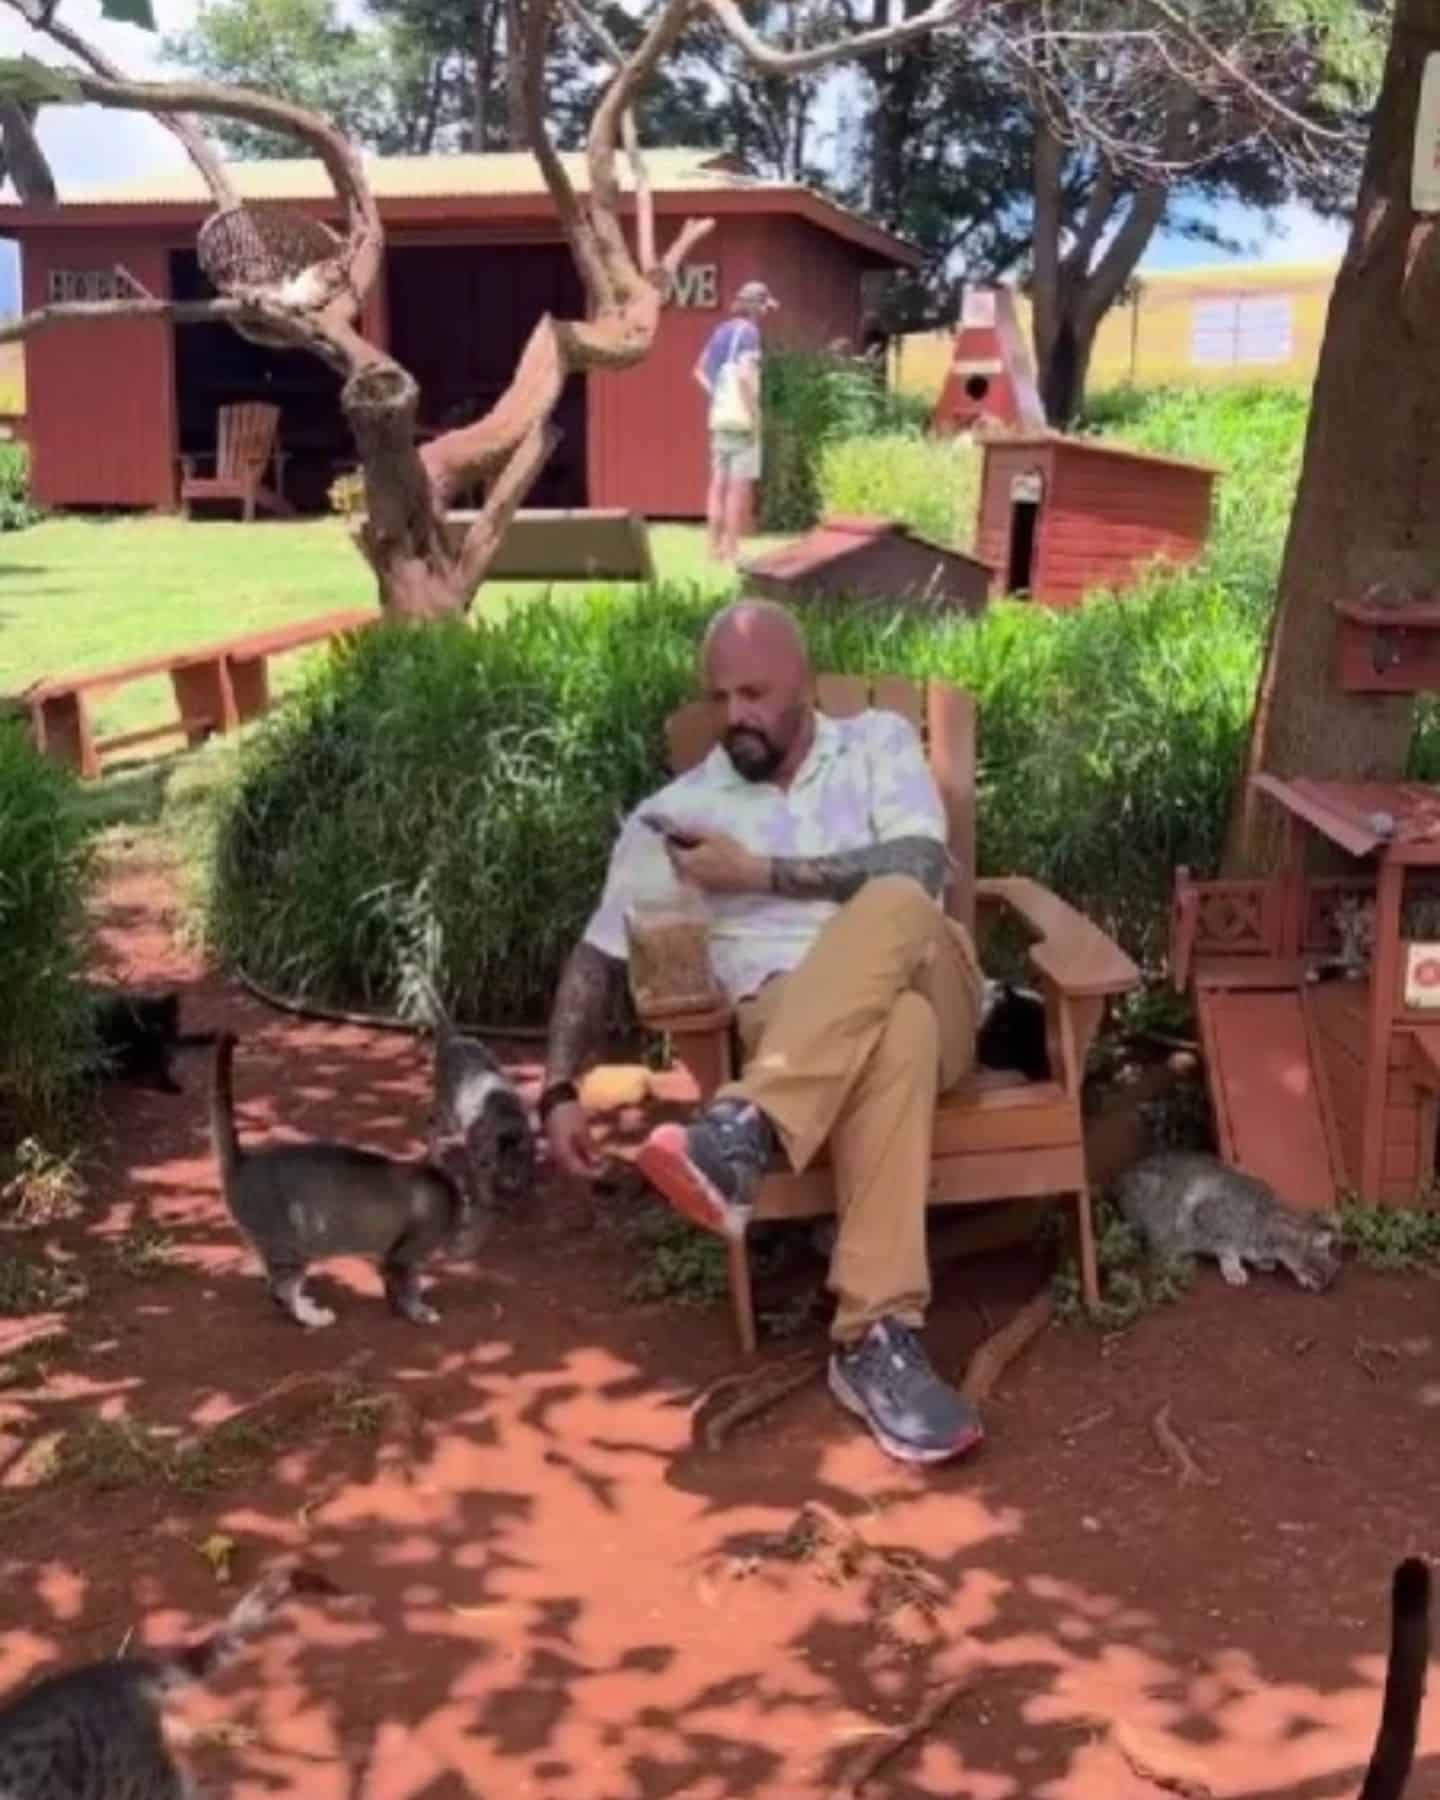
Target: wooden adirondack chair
245,448
998,1136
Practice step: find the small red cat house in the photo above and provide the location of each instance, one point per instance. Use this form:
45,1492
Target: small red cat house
1318,997
1060,516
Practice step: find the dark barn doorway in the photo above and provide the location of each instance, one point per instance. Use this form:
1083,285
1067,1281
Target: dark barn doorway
459,317
1020,566
215,367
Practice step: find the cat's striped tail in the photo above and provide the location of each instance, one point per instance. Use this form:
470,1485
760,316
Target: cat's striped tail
251,1612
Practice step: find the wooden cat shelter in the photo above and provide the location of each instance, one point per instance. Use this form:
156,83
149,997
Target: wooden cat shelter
1323,1086
1323,1059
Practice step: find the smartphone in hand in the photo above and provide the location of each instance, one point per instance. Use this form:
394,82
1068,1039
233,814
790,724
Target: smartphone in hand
682,840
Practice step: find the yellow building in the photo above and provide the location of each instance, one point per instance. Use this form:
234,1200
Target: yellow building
1190,327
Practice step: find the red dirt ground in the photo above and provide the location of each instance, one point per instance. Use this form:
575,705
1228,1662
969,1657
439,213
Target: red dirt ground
566,1601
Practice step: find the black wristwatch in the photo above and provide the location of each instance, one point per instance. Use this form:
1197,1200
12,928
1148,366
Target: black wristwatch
559,1093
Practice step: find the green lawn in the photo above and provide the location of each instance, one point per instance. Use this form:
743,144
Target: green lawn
81,594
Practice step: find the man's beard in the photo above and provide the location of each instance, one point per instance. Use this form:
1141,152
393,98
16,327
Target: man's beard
753,755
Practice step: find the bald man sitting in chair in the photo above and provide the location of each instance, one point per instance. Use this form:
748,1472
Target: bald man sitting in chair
820,847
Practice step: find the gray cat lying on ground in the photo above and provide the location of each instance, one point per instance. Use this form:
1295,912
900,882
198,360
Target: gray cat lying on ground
1191,1205
95,1733
299,1203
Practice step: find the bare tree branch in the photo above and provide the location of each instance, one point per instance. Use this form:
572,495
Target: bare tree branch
604,135
573,220
41,17
88,312
1264,101
23,159
364,234
630,136
503,501
773,61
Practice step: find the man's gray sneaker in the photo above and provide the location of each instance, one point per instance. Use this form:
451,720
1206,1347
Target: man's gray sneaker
709,1170
886,1380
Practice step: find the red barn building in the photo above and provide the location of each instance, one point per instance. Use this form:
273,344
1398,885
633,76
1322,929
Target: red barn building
1060,516
473,257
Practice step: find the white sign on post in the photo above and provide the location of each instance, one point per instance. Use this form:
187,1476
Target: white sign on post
1425,169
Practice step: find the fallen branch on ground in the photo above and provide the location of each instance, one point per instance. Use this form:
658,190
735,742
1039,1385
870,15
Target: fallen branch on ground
1154,1762
1175,1447
285,1389
1001,1348
872,1760
738,1397
1088,1421
1364,1348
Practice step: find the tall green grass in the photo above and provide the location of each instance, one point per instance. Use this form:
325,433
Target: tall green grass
930,484
812,399
46,1024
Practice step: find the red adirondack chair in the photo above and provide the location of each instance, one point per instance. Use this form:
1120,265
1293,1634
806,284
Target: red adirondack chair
246,447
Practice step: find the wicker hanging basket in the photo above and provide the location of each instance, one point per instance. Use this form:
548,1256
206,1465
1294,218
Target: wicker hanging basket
242,248
246,247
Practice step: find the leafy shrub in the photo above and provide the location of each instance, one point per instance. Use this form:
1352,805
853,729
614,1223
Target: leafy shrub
931,484
45,866
454,793
811,399
16,510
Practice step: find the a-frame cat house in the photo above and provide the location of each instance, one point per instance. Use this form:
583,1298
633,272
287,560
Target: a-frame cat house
991,381
1318,996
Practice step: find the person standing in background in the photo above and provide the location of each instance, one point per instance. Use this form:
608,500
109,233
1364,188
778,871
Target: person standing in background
729,372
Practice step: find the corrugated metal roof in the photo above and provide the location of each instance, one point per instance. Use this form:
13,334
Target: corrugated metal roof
407,178
1068,441
833,539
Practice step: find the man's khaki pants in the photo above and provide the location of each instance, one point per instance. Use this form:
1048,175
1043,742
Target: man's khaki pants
850,1049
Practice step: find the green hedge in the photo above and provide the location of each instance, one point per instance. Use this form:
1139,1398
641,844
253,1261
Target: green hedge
812,399
45,869
16,510
455,791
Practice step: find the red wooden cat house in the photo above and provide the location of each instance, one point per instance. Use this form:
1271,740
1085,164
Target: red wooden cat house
1318,996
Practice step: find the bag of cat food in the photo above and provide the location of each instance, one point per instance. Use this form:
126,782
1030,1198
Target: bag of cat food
669,943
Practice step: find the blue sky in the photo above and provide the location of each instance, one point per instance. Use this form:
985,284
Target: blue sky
83,148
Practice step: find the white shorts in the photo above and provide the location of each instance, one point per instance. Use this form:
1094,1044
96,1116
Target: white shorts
735,454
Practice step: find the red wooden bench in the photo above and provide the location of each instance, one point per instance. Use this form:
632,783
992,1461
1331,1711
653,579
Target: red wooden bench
216,688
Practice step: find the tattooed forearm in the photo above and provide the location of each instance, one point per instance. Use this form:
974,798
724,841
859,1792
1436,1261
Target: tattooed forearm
838,877
585,1000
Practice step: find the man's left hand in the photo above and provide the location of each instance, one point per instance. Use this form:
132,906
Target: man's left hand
719,865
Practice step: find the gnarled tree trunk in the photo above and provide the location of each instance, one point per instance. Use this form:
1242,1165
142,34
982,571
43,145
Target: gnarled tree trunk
1367,513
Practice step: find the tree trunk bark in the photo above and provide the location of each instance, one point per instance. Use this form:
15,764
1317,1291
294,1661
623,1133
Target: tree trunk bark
1070,298
517,119
1367,511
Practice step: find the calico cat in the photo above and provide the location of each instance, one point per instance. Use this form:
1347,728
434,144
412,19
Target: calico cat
297,1203
475,1101
1388,1772
95,1733
138,1034
1191,1205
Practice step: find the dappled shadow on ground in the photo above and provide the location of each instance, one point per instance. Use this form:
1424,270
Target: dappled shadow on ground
566,1599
